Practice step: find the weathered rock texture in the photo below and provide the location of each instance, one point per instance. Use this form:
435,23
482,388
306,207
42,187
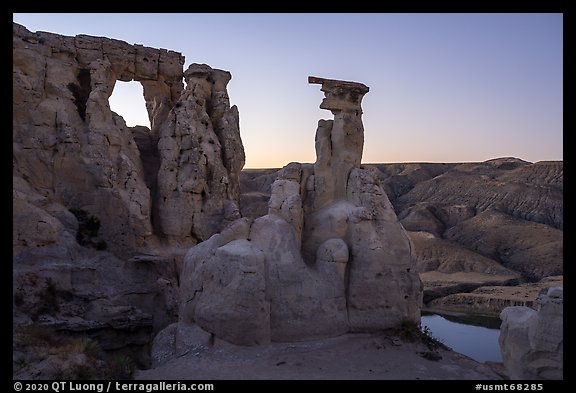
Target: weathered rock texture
178,180
532,342
497,222
329,257
103,213
201,156
491,298
89,294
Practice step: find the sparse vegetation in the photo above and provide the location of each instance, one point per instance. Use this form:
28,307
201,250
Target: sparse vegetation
412,332
86,346
88,227
416,333
431,341
122,367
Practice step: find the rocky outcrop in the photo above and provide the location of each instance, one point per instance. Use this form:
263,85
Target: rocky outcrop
465,239
443,256
329,257
104,213
447,268
201,156
70,149
532,342
339,142
67,143
490,298
255,186
505,210
90,294
441,289
399,178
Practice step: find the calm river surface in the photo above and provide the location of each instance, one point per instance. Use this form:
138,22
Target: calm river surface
473,336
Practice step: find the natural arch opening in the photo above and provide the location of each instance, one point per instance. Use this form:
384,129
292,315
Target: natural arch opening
127,100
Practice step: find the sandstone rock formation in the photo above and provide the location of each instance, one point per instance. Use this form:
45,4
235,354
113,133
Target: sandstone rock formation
329,257
201,155
72,150
68,145
532,342
104,213
83,294
473,225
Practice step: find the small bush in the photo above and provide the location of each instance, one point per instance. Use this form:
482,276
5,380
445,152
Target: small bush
88,227
412,332
431,341
122,367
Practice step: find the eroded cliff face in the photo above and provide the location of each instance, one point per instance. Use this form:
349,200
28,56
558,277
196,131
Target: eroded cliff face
72,153
329,257
103,213
201,156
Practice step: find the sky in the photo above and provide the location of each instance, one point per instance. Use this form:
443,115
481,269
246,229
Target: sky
443,87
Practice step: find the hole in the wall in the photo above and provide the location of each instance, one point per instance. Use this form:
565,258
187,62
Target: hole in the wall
127,100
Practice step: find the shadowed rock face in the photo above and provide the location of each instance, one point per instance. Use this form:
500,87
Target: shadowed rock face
329,257
91,195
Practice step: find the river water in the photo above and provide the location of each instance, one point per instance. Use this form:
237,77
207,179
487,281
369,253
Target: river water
473,336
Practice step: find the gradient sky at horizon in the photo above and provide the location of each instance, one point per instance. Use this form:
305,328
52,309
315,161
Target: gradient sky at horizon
443,87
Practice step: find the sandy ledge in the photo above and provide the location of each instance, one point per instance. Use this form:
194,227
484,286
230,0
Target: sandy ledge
347,357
